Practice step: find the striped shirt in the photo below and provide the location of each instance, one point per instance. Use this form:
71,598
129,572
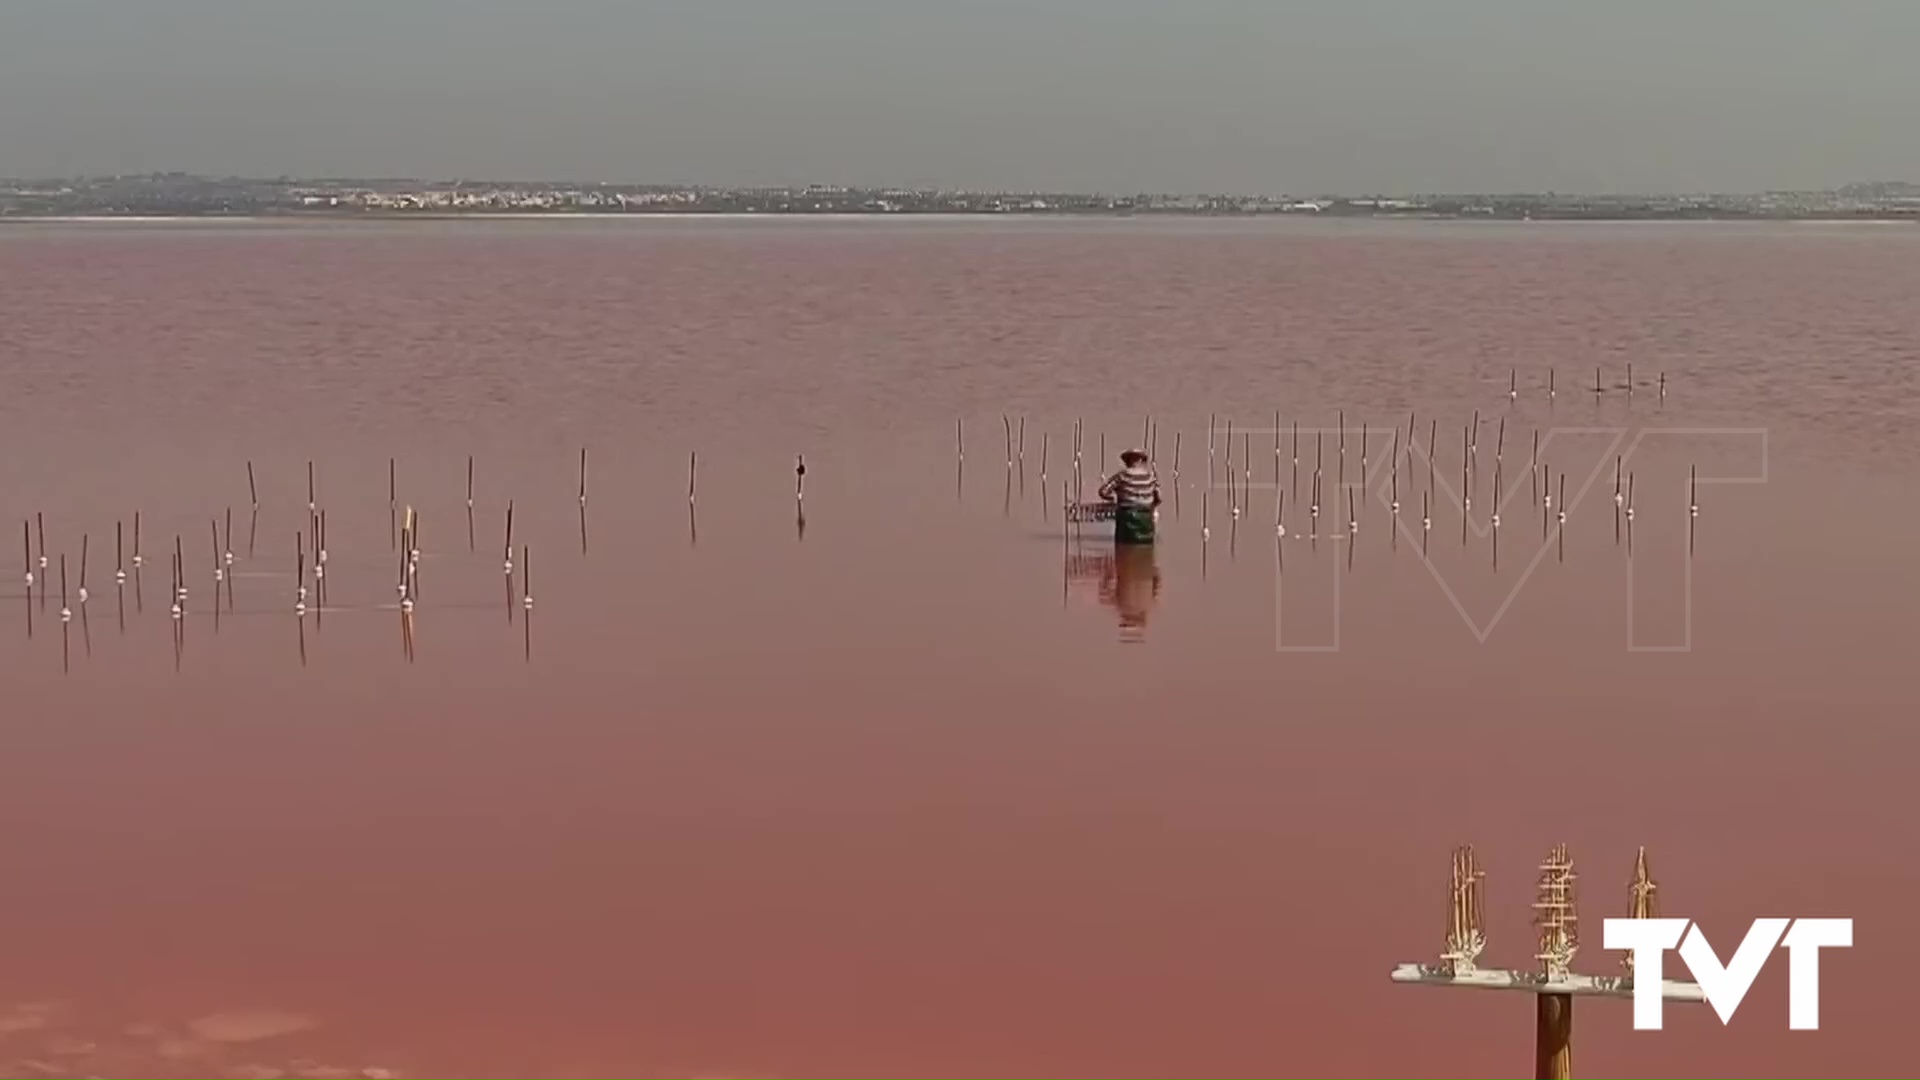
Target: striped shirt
1135,485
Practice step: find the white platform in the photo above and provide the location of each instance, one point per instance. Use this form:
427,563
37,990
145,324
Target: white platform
1619,986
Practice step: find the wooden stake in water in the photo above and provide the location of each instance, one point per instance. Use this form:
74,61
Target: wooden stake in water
1596,380
1340,426
526,625
403,582
1426,519
469,481
1466,481
1393,527
319,576
179,579
83,569
1550,390
1618,499
1533,469
1021,445
506,557
1630,515
1513,384
1629,378
799,477
1353,530
1007,423
583,476
1276,448
1563,517
1692,512
311,503
228,533
413,553
179,626
393,482
40,528
1294,480
137,558
1044,439
693,472
1494,520
960,439
412,567
1280,513
66,613
253,491
300,572
1433,441
26,550
1663,386
1546,502
119,553
526,577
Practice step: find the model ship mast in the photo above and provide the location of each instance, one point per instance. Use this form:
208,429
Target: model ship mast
1640,901
1466,932
1554,915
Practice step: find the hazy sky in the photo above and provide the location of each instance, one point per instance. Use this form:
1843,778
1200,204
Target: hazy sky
1112,95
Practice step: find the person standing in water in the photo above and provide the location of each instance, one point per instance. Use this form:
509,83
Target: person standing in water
1134,492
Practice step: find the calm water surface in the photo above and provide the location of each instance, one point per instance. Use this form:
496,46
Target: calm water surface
921,785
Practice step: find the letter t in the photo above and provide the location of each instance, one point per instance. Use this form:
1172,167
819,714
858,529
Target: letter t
1648,938
1803,944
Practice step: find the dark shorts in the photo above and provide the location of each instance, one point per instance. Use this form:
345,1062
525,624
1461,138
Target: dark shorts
1133,525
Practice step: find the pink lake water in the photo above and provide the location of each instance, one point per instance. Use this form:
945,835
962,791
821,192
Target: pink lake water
925,785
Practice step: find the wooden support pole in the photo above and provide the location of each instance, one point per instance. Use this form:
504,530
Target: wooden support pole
1553,1037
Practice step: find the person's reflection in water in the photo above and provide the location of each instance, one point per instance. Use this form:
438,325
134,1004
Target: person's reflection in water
1131,587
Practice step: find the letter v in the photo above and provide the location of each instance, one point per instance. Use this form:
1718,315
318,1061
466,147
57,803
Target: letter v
1725,986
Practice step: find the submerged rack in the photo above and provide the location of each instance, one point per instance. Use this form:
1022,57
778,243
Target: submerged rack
1091,511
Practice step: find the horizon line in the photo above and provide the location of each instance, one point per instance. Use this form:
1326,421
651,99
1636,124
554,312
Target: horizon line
339,180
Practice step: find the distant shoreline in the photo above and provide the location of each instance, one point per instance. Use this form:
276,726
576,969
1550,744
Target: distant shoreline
425,216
